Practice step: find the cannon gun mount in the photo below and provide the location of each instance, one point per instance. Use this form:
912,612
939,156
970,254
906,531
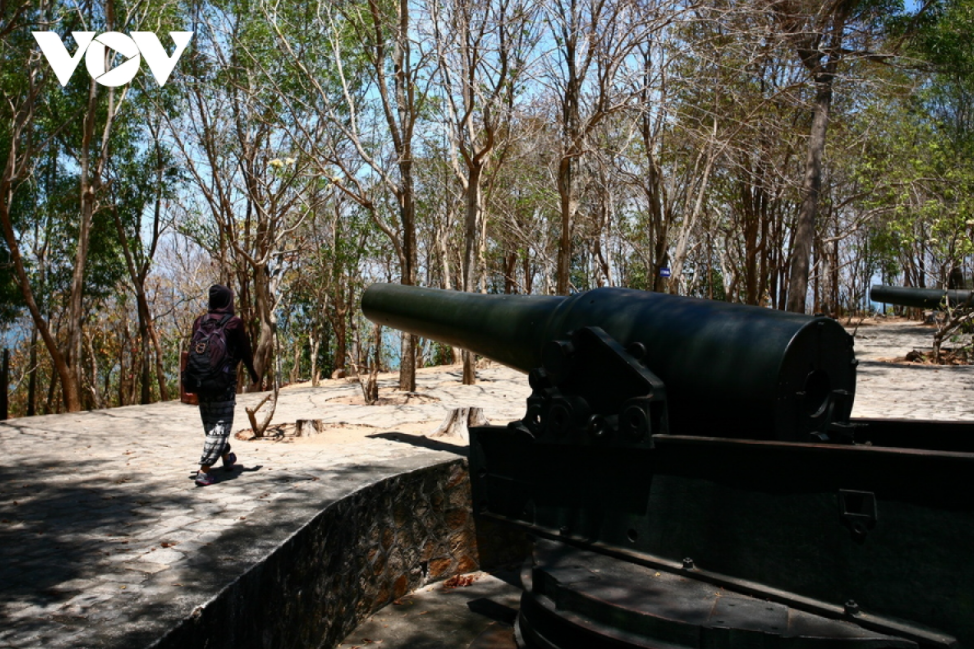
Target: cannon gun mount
693,477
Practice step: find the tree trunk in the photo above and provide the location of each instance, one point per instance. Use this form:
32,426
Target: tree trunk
49,405
336,316
442,236
5,384
267,321
96,398
341,333
145,362
566,193
470,236
750,197
407,368
32,378
314,341
811,191
90,184
657,198
767,288
160,368
260,428
683,239
295,375
151,348
308,427
510,272
145,388
408,114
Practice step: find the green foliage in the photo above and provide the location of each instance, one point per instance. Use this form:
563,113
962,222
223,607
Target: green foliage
942,36
918,172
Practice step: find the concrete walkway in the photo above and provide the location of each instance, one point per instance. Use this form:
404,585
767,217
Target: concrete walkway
908,391
107,542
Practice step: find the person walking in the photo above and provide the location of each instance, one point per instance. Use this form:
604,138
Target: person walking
218,344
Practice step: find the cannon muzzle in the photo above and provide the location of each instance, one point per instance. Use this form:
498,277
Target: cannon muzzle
728,370
922,298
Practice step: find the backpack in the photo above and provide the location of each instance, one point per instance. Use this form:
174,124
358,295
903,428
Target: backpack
210,367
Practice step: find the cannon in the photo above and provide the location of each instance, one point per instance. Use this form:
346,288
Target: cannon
692,476
767,375
922,298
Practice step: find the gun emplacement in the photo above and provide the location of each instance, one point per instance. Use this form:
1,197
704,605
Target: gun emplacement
693,477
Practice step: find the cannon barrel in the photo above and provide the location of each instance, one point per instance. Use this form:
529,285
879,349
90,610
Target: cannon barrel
922,298
729,370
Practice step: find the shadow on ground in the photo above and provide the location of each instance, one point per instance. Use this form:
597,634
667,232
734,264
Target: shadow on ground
422,441
57,526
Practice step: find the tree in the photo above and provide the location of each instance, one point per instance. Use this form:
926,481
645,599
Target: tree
148,182
820,35
593,59
237,149
78,132
358,124
482,48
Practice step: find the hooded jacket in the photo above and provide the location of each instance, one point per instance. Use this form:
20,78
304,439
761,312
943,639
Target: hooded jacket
221,304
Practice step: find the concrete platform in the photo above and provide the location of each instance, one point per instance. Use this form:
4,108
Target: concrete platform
107,542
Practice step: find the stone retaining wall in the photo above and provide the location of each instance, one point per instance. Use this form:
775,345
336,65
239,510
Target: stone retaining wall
357,555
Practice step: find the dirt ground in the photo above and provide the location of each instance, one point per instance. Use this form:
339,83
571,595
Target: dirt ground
438,391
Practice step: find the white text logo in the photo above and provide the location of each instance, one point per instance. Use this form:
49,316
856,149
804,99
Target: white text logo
128,48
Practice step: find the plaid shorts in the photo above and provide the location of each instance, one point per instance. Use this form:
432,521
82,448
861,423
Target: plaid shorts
217,419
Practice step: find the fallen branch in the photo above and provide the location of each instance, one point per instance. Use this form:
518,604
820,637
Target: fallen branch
955,319
370,387
252,413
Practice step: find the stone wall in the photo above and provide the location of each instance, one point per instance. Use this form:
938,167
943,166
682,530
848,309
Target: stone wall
359,554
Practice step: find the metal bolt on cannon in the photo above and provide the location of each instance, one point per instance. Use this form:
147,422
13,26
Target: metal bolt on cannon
661,428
